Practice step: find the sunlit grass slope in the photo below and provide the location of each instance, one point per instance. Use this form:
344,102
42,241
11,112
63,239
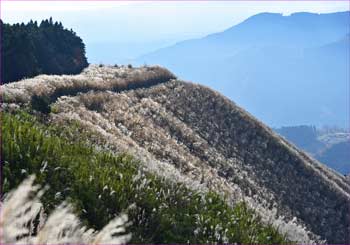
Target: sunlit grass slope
101,185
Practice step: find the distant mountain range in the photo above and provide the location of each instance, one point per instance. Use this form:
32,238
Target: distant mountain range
285,70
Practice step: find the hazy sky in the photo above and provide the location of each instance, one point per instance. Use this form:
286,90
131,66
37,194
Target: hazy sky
120,31
139,21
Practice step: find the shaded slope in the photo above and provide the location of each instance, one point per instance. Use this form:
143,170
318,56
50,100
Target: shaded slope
191,134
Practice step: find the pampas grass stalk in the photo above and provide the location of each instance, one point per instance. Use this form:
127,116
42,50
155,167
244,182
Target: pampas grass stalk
22,221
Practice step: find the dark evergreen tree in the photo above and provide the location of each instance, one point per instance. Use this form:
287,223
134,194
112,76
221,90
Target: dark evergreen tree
31,49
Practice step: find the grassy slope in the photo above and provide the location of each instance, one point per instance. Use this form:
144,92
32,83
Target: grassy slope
101,185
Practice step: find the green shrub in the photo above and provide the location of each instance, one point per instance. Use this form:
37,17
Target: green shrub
41,103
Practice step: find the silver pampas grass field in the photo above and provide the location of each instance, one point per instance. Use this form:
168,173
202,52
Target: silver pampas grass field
23,221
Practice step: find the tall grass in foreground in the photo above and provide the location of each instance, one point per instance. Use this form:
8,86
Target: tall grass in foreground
22,221
101,185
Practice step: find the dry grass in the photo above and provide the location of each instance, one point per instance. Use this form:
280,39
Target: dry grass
92,78
204,138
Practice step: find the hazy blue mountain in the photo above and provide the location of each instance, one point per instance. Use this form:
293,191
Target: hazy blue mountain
286,70
304,137
330,148
122,52
337,157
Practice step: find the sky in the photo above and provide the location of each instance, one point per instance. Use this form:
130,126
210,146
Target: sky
141,26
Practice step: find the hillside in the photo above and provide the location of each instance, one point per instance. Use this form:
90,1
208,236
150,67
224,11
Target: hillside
190,134
101,185
31,49
267,61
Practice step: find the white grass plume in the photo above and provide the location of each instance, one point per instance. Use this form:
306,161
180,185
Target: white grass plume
22,222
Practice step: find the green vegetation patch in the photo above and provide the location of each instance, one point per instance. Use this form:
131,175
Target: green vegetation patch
101,185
